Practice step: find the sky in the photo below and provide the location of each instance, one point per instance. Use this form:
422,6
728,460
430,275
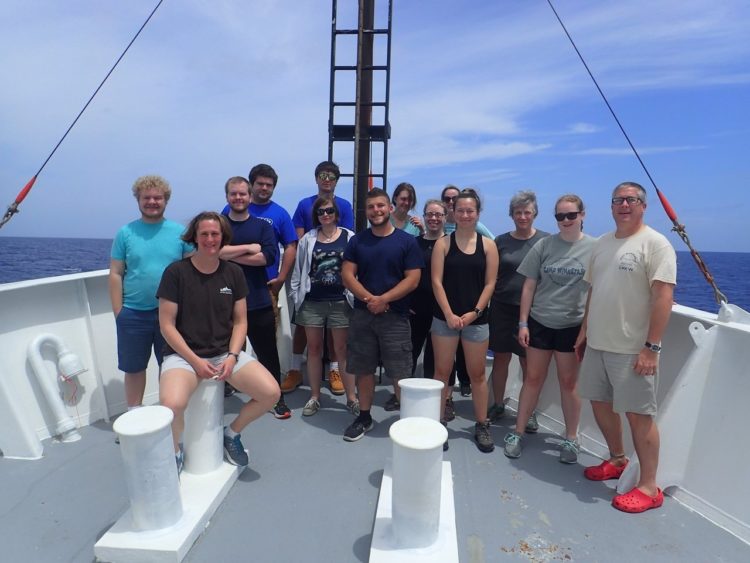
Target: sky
483,94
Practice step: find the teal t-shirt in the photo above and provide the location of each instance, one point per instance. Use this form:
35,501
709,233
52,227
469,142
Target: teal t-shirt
480,228
147,249
558,266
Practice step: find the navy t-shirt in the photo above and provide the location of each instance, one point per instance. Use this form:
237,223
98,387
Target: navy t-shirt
251,231
382,261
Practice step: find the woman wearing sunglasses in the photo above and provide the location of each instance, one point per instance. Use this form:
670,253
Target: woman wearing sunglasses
553,300
320,298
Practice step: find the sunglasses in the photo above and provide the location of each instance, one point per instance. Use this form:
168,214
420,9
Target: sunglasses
448,199
632,200
325,211
567,216
326,176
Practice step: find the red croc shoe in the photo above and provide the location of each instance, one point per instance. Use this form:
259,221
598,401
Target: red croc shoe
604,471
636,501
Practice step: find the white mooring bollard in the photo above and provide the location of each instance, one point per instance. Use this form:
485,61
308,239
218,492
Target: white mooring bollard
417,473
421,397
149,467
203,437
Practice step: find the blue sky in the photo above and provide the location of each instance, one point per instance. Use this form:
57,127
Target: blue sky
483,94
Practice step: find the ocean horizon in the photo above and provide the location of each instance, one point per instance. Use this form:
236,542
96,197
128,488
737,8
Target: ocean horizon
63,256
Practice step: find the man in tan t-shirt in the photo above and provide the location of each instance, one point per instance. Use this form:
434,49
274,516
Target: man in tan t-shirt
632,275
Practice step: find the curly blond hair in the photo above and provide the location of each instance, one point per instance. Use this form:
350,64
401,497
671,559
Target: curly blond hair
152,182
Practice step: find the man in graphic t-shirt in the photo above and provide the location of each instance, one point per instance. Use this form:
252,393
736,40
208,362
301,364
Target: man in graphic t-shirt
632,273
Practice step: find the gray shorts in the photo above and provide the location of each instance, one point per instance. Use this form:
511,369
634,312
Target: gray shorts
610,378
333,314
175,361
472,333
384,338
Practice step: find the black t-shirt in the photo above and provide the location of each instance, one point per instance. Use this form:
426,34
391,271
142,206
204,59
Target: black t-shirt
325,270
205,303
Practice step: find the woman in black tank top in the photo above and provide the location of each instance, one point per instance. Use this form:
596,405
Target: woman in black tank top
464,270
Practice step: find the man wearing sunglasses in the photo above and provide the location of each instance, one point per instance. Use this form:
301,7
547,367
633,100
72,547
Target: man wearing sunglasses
326,177
632,273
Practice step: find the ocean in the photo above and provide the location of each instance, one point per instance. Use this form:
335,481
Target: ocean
26,258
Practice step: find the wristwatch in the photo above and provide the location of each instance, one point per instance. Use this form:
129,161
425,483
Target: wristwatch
478,311
236,356
653,347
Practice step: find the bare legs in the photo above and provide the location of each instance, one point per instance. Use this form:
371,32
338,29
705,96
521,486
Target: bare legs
135,387
337,342
177,385
444,348
499,374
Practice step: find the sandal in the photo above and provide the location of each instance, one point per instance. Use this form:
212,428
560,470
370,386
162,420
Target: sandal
604,471
636,501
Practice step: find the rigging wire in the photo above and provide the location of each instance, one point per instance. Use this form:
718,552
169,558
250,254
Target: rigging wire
677,226
13,207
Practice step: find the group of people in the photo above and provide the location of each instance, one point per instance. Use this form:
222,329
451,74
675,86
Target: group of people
439,282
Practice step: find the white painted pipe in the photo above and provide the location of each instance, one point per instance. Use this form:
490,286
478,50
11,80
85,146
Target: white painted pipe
417,473
203,437
149,467
69,365
421,397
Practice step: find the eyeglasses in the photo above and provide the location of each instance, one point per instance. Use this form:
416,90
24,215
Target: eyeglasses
632,200
325,211
448,199
326,176
434,215
567,216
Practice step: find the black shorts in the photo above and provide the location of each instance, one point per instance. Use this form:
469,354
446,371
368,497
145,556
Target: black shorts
504,329
558,339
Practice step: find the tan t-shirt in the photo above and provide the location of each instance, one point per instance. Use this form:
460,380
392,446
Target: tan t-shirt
621,272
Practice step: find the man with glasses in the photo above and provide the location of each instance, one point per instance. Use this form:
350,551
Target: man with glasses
632,273
327,175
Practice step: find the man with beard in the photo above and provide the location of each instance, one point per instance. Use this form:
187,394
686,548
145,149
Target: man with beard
382,266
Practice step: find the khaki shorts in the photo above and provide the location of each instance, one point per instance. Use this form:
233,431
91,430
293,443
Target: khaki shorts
610,378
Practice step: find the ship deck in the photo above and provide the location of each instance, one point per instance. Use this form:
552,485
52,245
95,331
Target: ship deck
309,496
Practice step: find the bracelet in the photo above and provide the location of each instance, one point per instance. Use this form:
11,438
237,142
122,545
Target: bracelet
522,324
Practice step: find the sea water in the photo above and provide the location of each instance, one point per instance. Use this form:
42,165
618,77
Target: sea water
26,258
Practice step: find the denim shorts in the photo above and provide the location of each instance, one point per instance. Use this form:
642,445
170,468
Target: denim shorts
384,338
137,334
471,333
333,314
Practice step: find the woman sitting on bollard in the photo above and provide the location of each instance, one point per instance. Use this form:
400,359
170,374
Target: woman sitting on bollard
320,299
553,300
464,269
203,317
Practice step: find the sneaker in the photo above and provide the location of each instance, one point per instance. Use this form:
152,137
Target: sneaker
483,437
513,445
234,452
465,389
569,451
228,389
353,407
311,407
357,429
496,412
179,458
335,383
280,410
450,410
292,380
532,426
392,404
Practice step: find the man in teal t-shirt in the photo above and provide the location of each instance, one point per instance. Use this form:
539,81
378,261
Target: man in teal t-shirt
140,253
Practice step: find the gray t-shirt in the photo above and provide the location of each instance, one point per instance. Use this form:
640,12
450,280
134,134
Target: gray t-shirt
559,267
512,252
